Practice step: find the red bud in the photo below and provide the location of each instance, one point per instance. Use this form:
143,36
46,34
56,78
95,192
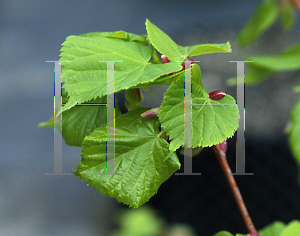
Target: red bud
216,95
138,93
186,60
165,59
151,113
254,234
223,147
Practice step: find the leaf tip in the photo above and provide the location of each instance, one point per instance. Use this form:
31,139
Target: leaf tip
229,45
147,22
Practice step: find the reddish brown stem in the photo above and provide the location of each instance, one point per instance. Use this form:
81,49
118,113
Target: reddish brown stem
138,93
297,5
234,188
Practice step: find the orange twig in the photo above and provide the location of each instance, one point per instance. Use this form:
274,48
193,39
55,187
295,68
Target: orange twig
234,188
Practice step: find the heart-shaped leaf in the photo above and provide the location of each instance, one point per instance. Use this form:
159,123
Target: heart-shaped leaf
212,121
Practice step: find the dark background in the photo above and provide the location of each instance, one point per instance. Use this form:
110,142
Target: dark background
34,204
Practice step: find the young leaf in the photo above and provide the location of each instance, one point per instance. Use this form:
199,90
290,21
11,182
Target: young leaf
264,17
223,233
117,34
292,229
212,121
195,151
80,121
139,222
50,122
86,78
294,135
139,154
201,49
164,80
264,66
166,46
287,14
286,61
256,74
273,230
134,98
163,43
296,89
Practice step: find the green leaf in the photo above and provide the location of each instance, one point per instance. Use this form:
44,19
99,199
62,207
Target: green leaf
133,101
296,89
137,222
139,154
265,66
264,17
287,14
85,78
195,151
117,34
80,121
165,79
294,134
223,233
273,230
212,121
286,61
50,122
201,49
165,45
292,229
256,74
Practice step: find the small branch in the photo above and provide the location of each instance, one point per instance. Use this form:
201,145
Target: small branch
234,188
297,5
